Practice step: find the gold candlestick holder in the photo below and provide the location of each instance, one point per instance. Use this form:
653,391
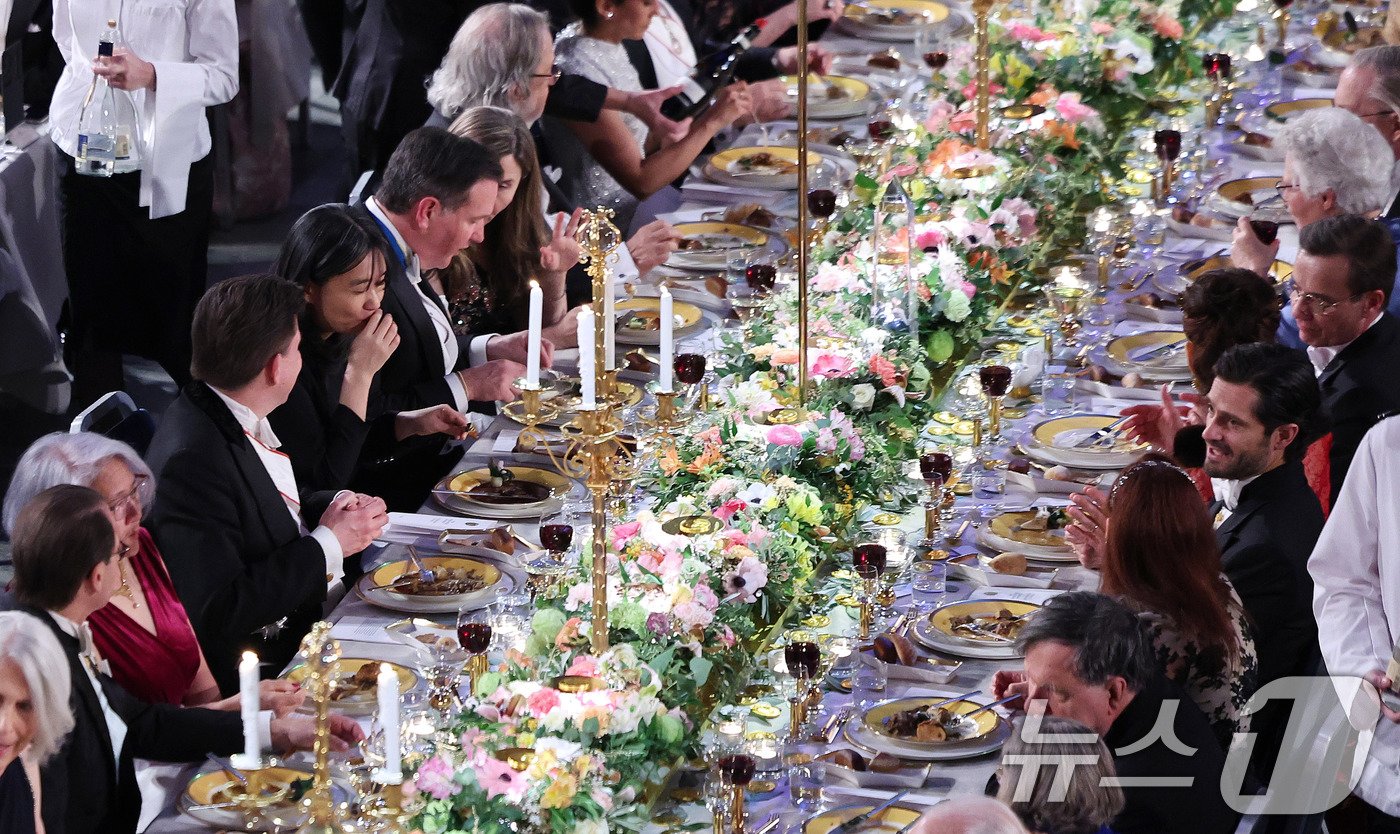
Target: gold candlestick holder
797,712
529,409
321,652
736,809
982,10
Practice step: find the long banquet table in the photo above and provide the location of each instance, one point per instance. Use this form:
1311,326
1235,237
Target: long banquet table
359,625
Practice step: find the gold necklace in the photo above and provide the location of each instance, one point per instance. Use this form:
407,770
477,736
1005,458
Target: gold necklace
126,588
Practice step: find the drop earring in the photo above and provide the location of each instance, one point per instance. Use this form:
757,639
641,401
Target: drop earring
609,15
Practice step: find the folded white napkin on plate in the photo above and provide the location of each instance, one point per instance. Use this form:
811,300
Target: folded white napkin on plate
906,777
923,673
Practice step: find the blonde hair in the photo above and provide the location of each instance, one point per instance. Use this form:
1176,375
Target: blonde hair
31,645
1084,804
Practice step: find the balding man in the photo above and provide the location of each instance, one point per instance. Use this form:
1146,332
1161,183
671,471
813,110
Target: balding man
1370,88
969,815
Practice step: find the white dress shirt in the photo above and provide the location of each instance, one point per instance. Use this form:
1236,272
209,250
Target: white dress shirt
1356,571
1228,492
1321,357
437,313
92,664
668,42
193,45
279,468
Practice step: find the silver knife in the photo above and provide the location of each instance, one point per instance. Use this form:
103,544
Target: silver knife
1099,434
1144,354
857,821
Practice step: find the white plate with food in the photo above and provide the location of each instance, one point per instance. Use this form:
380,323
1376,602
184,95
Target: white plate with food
930,728
1039,533
831,96
1070,441
473,580
639,320
707,245
355,683
281,788
897,20
759,166
984,628
1154,355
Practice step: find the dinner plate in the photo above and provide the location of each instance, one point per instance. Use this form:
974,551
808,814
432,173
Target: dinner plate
464,482
1315,75
486,572
927,636
1171,364
566,406
877,717
834,97
363,702
717,240
863,739
894,20
1282,110
688,319
1174,281
211,788
728,167
512,577
1265,153
1000,534
941,619
893,819
1342,42
1052,441
1237,198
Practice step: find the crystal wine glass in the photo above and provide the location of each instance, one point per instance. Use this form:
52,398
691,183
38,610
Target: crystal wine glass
475,628
996,381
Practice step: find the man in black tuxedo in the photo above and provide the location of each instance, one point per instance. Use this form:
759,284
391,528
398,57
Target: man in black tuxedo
1264,409
1370,88
1089,659
66,568
1340,288
243,545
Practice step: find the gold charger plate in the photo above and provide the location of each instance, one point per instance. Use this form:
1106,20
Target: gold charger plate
346,666
210,788
390,571
925,12
727,163
941,620
463,482
875,718
692,525
894,818
853,93
1004,526
630,396
1120,348
1281,110
699,230
1048,431
686,314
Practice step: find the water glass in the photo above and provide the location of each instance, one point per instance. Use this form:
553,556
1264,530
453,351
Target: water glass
989,487
1058,393
870,681
929,584
805,783
843,657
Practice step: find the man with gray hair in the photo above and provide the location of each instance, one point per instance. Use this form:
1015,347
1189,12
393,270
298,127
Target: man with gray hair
969,815
1370,89
1089,659
1332,165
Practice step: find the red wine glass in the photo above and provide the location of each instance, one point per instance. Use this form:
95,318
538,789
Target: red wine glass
762,276
690,368
1265,230
870,554
1168,144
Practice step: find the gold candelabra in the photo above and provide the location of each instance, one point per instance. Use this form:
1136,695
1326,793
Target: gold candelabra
321,652
803,240
982,10
595,450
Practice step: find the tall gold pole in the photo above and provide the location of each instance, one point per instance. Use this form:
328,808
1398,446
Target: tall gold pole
321,653
982,9
804,240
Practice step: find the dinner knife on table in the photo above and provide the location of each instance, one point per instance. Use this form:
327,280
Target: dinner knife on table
860,819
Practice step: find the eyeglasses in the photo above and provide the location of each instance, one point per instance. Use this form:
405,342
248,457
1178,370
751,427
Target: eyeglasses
554,74
1375,114
1282,186
131,498
1318,304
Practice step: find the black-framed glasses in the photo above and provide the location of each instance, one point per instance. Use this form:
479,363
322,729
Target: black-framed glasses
1321,305
554,74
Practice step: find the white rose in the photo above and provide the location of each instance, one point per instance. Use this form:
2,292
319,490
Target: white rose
959,307
862,396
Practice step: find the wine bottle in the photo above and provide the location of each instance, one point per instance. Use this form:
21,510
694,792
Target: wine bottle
711,73
108,141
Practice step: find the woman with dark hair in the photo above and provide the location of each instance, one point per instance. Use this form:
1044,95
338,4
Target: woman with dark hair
488,284
1155,548
1224,308
328,420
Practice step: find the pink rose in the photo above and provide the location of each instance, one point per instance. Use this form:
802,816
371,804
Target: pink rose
661,563
1072,110
543,701
969,289
964,122
831,366
784,436
1098,27
903,169
1168,28
970,91
1027,32
622,532
727,510
939,113
710,435
585,665
693,615
706,597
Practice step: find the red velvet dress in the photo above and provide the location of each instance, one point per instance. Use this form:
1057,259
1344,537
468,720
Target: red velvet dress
157,668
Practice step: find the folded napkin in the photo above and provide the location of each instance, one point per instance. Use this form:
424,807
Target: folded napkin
1028,367
972,569
922,673
1047,486
877,796
410,526
905,777
1035,596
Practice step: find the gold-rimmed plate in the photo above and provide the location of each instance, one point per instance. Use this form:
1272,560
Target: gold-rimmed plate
708,244
1171,360
877,719
941,620
1241,196
1007,526
1054,441
547,483
346,696
692,525
759,166
639,320
831,96
1175,281
893,819
1282,110
283,809
486,575
894,17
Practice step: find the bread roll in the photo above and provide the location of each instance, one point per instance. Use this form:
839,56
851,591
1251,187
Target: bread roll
892,648
1011,564
849,759
884,763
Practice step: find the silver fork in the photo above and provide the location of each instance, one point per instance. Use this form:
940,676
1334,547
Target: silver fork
424,573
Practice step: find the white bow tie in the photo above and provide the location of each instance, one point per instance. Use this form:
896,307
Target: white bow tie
1227,491
88,648
263,433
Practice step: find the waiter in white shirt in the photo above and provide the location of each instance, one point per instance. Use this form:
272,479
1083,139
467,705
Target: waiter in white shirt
1356,571
136,242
